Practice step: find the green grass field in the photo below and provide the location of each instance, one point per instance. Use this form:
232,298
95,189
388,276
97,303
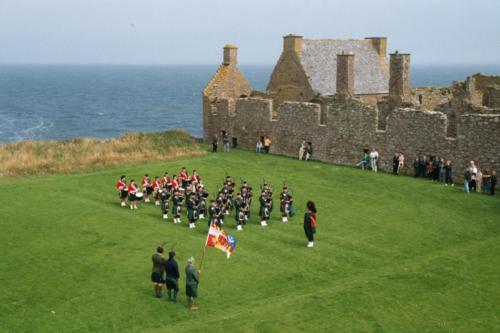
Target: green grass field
392,254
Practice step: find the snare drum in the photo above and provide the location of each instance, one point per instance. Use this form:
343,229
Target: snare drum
139,195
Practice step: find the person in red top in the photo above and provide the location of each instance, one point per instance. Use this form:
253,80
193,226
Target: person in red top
156,190
183,177
132,191
175,183
195,178
121,187
146,187
166,182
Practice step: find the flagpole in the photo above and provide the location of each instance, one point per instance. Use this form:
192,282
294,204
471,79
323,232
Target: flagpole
202,260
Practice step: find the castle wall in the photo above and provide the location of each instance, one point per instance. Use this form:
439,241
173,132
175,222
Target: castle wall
351,127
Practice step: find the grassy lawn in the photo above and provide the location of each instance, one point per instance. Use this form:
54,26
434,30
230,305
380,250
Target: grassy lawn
392,254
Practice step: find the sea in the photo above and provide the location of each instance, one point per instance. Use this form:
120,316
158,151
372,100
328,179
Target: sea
41,102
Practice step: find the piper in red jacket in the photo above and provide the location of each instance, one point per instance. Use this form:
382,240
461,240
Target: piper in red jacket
146,187
132,192
121,187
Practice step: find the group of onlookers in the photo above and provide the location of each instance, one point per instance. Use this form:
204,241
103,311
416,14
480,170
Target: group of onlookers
263,144
436,169
479,181
305,151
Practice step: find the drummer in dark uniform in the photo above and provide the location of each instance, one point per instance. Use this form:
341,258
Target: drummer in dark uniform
158,271
172,280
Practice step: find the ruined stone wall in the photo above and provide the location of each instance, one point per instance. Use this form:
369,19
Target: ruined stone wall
352,126
430,98
477,85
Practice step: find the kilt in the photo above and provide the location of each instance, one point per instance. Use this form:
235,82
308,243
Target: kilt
172,284
157,277
122,194
191,290
131,197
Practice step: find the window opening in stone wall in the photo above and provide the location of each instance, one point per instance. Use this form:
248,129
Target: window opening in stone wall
322,115
420,99
235,142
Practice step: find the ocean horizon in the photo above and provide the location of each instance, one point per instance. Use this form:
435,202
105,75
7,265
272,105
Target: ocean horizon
46,102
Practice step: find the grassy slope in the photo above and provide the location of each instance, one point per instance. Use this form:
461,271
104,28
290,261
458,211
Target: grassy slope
392,255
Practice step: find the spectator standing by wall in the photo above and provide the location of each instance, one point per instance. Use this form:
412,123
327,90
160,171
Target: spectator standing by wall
259,146
225,141
485,186
401,163
479,180
442,170
374,159
493,182
395,163
467,179
472,177
449,173
267,144
215,141
302,150
309,151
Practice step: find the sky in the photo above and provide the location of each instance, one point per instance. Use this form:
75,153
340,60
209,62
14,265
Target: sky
194,31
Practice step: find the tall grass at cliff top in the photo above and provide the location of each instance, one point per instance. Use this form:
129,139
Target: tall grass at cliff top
89,154
392,254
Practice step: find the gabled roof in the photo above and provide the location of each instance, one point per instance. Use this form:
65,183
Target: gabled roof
319,59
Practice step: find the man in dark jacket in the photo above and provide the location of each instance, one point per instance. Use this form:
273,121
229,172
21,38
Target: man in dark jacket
172,277
158,270
192,279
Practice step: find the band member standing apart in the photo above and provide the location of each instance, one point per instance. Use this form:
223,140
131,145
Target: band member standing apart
310,223
132,191
146,187
285,204
121,187
192,280
156,190
172,277
192,207
158,271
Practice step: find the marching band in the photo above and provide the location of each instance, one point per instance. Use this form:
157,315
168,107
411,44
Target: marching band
183,190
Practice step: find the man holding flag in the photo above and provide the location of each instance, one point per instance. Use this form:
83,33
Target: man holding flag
192,280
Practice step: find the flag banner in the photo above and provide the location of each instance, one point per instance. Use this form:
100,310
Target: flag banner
219,239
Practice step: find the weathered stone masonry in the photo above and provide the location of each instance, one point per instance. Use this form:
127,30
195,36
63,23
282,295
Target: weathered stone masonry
460,123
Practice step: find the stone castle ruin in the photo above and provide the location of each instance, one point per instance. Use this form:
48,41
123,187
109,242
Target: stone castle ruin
345,96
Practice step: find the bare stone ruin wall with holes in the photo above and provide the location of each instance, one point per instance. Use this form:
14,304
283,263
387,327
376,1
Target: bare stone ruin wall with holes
352,126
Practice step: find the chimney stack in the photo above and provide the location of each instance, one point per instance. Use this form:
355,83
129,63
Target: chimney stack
345,74
380,45
292,43
230,54
399,80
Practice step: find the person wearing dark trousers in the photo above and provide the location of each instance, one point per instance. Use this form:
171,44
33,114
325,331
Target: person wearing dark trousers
172,277
310,223
493,182
215,142
192,280
448,173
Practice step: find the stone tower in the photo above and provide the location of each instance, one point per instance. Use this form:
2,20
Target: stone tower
399,79
345,74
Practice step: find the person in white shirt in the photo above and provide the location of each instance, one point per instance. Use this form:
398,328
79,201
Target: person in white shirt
374,159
